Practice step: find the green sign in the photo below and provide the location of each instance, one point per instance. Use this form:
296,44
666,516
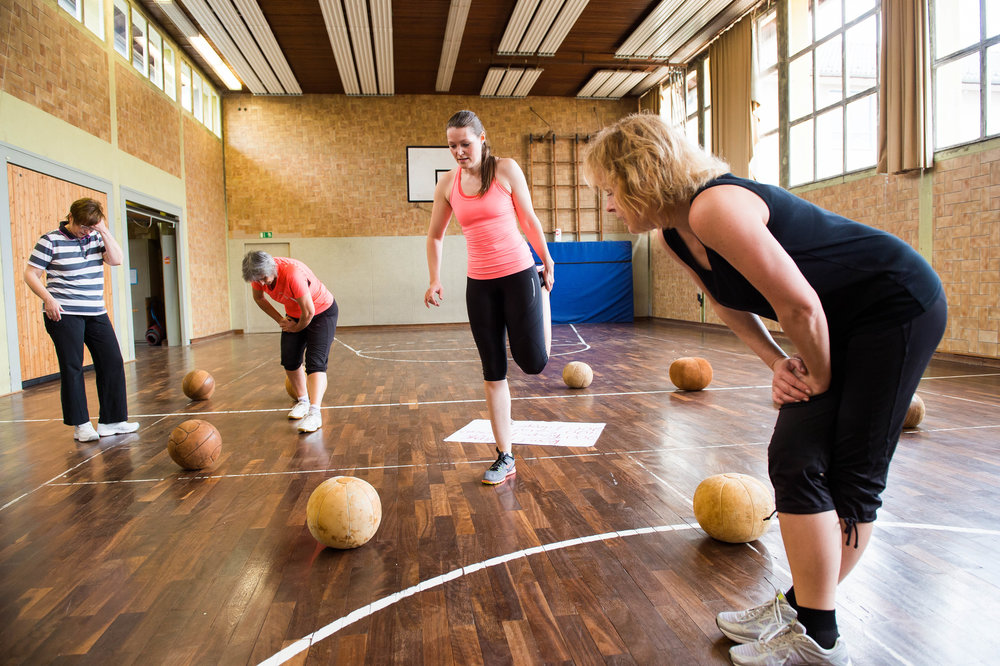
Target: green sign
266,234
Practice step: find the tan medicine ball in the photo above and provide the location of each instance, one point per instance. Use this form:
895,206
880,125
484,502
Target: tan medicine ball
198,385
915,412
577,374
691,373
732,507
195,444
344,512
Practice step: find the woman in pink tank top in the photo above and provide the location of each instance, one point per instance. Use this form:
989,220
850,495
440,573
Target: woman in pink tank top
506,295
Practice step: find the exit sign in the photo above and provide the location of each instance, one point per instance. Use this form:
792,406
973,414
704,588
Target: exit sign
266,234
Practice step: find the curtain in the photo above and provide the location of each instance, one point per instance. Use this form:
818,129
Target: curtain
905,141
649,102
731,75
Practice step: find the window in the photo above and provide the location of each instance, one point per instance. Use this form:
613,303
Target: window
764,164
185,86
169,77
121,27
196,96
966,47
832,87
139,41
697,104
691,126
88,12
155,63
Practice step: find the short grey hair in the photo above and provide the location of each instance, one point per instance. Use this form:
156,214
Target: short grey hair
259,266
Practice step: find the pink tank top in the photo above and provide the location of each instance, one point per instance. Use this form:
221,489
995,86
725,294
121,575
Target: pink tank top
495,244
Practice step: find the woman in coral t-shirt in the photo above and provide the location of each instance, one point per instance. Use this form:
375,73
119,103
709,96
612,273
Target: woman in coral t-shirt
506,295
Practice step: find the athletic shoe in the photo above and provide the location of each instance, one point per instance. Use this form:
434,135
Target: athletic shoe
120,428
500,470
311,422
300,409
85,432
750,625
787,647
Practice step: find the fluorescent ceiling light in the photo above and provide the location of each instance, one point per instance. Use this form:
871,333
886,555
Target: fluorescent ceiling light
336,30
458,13
357,21
254,18
611,84
657,18
510,79
595,81
527,81
557,33
518,23
540,23
210,25
381,19
493,77
215,62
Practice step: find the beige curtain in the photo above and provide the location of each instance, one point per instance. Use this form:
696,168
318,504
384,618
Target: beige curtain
649,102
905,141
731,76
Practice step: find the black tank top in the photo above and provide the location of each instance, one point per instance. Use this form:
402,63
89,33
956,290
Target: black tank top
863,276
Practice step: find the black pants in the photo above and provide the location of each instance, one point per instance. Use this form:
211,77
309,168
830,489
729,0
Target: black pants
69,335
833,452
508,307
313,341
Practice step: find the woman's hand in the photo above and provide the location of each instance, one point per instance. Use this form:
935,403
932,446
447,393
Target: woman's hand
434,295
788,384
288,325
52,310
549,275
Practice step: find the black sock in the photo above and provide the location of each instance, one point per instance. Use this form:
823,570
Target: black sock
820,625
790,597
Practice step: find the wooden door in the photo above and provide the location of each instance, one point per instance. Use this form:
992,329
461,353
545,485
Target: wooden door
37,203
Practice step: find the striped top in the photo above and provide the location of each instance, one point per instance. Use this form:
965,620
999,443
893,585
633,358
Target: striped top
74,269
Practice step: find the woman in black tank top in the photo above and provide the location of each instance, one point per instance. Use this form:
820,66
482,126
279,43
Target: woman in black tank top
847,296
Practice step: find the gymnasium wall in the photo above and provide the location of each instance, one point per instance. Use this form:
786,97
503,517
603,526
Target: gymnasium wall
72,105
950,214
327,174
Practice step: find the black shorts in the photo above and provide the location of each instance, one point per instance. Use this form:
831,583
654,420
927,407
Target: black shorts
313,341
508,307
833,452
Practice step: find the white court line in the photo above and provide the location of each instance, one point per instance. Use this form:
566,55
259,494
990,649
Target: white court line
308,641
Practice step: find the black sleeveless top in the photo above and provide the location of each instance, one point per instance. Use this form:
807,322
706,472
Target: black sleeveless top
863,276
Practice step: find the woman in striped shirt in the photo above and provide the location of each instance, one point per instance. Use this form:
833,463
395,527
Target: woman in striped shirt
72,258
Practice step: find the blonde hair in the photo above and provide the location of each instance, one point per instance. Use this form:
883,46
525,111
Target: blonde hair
648,165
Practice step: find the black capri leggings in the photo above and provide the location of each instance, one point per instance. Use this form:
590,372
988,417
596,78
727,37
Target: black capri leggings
314,340
833,452
508,307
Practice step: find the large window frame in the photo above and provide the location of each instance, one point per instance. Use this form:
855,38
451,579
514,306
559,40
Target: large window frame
812,119
985,47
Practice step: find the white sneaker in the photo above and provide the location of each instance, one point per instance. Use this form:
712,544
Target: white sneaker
311,422
300,409
120,428
85,432
788,647
750,625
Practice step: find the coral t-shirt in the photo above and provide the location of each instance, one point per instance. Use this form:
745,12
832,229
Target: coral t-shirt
295,280
495,244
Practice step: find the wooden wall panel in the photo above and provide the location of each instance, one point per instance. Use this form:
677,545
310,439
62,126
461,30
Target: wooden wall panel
37,203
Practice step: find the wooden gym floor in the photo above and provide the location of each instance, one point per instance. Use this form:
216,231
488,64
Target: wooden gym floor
111,554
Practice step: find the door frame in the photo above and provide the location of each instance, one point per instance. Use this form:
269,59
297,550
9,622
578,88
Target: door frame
12,155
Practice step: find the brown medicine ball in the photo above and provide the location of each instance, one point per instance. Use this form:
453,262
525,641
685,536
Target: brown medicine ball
915,412
344,512
577,374
195,444
198,385
691,373
734,508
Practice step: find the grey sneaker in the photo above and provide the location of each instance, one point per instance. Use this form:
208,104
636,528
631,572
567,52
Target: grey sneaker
750,625
787,647
119,428
85,432
500,470
300,409
311,422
